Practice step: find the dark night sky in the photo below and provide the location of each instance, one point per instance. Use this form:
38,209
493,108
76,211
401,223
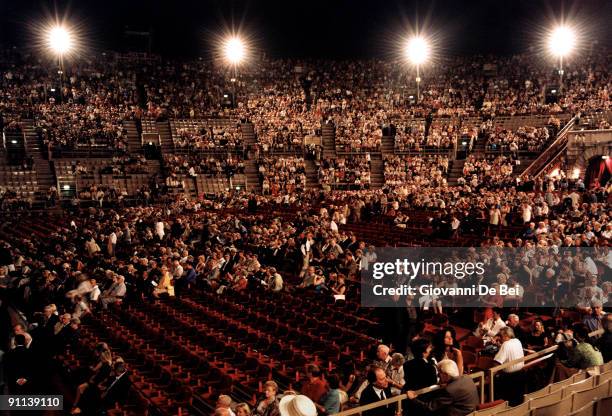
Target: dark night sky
315,28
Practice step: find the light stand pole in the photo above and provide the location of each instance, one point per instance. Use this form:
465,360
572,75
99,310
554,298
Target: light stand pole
561,72
418,83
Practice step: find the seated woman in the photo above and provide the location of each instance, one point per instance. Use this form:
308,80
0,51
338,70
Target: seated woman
99,373
446,347
165,284
537,338
338,287
268,405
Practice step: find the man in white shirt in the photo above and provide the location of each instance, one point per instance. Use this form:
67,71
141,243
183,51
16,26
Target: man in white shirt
510,384
159,230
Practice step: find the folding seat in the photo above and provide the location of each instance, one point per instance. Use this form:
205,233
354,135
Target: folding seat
483,363
534,395
491,408
250,365
586,384
472,343
560,407
586,410
601,378
545,399
584,397
274,350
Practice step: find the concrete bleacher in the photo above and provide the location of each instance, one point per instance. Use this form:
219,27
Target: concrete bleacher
129,182
164,133
195,125
16,179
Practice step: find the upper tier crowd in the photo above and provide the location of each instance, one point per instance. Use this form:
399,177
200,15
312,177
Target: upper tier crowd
288,99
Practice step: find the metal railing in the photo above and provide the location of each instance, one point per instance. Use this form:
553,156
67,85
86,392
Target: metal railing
479,378
551,153
527,360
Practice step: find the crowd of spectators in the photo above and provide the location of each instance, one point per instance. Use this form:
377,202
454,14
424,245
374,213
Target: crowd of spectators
343,172
416,170
282,175
208,138
194,165
525,138
491,170
409,135
108,257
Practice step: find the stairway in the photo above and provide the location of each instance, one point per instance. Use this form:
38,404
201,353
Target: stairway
165,137
248,134
455,171
134,139
190,187
45,174
312,175
388,145
525,162
479,147
252,176
251,173
377,169
328,133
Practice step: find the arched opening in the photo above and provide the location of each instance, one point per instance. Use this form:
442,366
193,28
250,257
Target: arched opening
599,171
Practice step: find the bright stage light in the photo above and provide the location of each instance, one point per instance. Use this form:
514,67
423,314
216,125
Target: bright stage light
235,50
417,50
59,40
562,41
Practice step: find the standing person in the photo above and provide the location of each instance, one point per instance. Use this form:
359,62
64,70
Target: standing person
18,369
159,230
511,349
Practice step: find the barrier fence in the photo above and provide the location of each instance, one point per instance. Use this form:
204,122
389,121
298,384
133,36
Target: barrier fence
479,379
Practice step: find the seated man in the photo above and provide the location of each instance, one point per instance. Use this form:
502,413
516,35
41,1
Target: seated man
115,292
378,389
117,386
458,398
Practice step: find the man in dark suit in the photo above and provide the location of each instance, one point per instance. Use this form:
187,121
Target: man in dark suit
118,386
458,398
18,369
378,389
420,372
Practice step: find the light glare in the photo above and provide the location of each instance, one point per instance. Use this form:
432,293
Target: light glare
562,41
234,50
417,50
59,40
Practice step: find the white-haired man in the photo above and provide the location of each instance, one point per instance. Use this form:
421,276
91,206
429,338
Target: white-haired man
458,398
383,358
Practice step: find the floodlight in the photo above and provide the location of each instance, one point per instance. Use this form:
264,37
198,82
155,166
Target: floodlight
234,50
59,40
417,50
562,41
